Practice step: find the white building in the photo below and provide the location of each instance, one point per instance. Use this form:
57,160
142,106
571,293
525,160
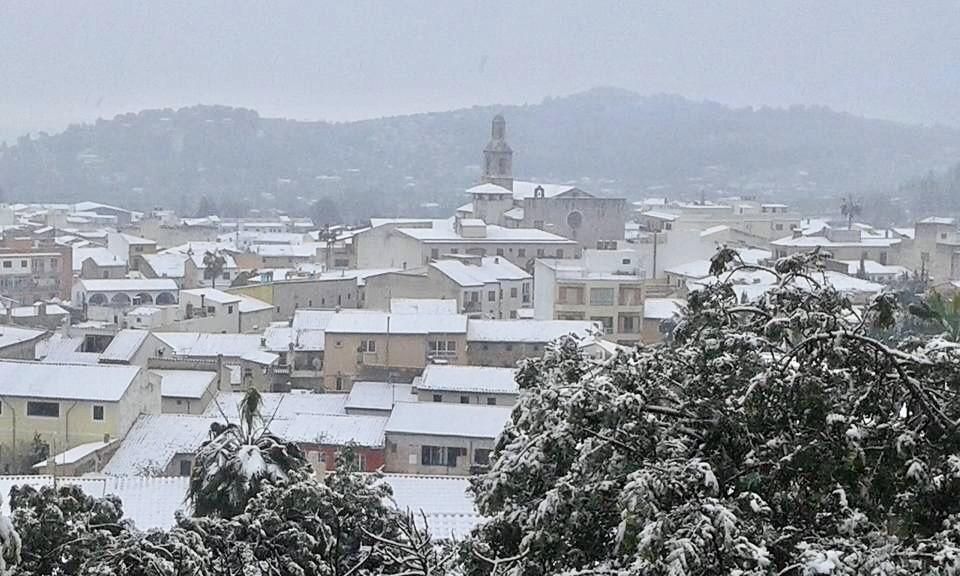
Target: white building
479,385
605,286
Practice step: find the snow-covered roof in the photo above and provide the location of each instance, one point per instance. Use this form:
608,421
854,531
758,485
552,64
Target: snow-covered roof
124,346
378,395
282,404
154,439
468,207
444,232
536,331
515,213
149,502
525,189
662,308
184,383
105,383
100,255
444,500
489,189
938,220
212,295
694,269
443,419
332,429
167,264
423,306
74,455
371,322
260,357
129,285
32,311
210,345
12,335
288,250
491,269
63,349
137,240
660,215
482,379
872,267
822,241
248,304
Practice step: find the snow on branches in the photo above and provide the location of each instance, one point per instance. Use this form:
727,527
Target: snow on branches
780,436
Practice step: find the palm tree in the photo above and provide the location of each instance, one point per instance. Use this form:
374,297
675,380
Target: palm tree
214,263
850,209
232,466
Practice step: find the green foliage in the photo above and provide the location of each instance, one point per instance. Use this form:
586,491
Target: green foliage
773,437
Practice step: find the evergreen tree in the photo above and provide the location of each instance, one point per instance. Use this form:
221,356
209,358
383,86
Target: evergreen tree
774,437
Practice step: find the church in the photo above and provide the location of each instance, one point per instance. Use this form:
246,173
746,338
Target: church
560,209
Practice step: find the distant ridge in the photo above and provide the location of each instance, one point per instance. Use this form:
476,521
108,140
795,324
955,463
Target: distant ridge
607,140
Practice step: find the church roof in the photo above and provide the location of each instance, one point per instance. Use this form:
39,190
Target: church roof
487,189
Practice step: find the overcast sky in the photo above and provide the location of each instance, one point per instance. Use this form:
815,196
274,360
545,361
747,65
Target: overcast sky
62,62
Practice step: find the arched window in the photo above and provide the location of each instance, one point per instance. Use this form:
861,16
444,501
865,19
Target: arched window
97,300
166,298
120,299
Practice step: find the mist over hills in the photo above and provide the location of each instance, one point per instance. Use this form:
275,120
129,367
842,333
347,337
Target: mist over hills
606,140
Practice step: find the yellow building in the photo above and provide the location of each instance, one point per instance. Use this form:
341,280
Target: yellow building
67,405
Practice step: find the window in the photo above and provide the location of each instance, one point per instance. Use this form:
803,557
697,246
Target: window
185,467
106,274
368,346
464,399
229,308
434,253
625,261
226,275
499,251
522,252
538,224
98,413
631,295
943,235
513,292
601,297
438,398
491,296
453,454
491,400
431,455
559,252
513,314
454,250
540,252
7,264
629,324
474,296
443,348
779,226
43,409
54,263
668,226
23,263
211,310
339,384
481,456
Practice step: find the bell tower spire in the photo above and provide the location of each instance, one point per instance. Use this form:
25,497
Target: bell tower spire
498,156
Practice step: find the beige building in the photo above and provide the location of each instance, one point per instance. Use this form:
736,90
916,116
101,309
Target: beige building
70,404
441,438
605,287
211,310
934,249
368,345
413,243
843,244
478,385
187,391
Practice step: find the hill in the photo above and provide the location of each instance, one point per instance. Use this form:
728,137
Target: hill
607,140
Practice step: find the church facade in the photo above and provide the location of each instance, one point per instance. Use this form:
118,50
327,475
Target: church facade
567,211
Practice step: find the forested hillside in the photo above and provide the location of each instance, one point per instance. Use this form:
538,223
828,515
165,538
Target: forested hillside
607,140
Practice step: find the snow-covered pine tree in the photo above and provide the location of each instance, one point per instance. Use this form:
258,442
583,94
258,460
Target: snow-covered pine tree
62,528
772,437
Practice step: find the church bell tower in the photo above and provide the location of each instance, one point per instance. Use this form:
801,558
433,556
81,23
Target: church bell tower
498,156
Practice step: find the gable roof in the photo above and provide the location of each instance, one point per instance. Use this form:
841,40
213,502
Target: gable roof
443,419
483,379
105,383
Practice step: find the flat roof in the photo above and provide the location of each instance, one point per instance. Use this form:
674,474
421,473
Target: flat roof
128,285
371,322
184,383
534,331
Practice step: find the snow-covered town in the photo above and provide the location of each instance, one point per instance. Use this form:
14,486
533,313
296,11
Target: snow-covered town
425,318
